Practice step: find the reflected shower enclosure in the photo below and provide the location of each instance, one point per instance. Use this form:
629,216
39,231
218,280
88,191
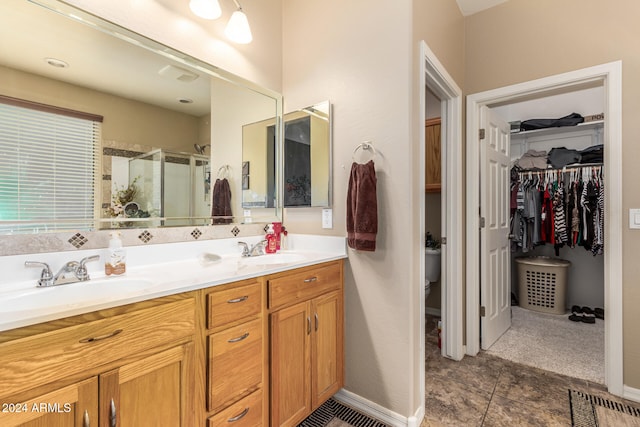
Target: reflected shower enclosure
297,162
172,185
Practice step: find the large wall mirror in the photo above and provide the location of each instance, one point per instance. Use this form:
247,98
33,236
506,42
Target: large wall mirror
138,135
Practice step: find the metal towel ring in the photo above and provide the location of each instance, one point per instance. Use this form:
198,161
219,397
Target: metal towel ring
367,145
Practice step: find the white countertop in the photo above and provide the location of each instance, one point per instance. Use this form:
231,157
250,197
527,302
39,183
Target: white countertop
152,271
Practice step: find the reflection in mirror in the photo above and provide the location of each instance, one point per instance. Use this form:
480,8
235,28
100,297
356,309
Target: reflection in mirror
153,156
258,164
307,157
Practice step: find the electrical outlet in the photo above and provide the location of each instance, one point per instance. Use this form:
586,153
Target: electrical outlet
327,218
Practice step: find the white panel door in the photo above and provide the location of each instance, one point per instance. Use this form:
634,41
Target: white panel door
495,293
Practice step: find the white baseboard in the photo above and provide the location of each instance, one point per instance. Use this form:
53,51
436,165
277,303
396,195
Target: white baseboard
631,393
432,311
378,412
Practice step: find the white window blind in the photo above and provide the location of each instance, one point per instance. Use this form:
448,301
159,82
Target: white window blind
47,167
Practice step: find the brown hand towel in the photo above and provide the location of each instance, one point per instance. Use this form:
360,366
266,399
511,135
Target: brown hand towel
221,202
362,207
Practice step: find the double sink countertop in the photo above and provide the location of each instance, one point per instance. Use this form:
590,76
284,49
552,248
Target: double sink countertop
152,271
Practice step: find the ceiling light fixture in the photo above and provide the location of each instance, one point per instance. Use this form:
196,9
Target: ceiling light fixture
237,30
207,9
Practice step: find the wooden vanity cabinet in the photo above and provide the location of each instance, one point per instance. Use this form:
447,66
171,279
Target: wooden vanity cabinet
74,405
133,365
307,350
206,357
237,343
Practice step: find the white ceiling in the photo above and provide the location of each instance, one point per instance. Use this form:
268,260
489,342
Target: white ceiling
469,7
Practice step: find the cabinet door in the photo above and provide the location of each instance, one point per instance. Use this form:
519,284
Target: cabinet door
327,347
290,364
73,405
432,153
156,390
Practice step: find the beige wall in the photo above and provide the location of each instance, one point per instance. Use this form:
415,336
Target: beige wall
366,66
358,57
125,121
522,40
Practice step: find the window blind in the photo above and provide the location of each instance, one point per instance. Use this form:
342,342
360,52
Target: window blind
48,162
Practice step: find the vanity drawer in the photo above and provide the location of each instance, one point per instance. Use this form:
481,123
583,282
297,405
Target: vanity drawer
235,363
230,304
43,358
304,285
245,413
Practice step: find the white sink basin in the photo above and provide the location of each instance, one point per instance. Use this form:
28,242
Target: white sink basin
74,294
271,259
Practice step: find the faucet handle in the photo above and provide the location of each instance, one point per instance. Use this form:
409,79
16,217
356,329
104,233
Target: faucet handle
245,248
81,272
46,276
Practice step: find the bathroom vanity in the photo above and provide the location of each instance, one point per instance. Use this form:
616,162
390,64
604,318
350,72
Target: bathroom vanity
262,345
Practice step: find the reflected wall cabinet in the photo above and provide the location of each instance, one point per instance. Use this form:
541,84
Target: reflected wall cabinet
432,152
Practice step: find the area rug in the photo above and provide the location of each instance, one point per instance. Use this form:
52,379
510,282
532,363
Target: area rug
334,414
593,411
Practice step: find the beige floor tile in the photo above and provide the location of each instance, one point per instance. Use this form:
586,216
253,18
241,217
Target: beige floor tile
503,412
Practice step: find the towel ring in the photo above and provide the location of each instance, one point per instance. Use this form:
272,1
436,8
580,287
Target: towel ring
367,145
223,171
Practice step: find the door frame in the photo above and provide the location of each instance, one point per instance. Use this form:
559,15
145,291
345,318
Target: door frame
610,74
434,75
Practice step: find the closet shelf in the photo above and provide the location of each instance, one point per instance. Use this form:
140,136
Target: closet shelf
596,124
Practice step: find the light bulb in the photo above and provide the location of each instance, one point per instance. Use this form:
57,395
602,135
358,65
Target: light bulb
238,29
207,9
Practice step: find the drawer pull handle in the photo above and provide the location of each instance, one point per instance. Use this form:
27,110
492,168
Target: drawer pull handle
240,338
101,337
85,419
238,417
113,416
310,279
236,300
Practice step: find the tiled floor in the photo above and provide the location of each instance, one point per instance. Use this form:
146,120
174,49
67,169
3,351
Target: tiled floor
487,391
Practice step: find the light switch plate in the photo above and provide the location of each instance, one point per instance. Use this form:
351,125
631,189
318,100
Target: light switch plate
327,218
634,218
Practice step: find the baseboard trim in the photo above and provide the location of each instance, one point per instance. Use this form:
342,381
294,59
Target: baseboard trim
376,411
432,311
631,393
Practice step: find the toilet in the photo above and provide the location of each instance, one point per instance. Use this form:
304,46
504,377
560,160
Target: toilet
431,268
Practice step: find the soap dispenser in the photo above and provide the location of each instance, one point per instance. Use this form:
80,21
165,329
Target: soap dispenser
116,262
271,239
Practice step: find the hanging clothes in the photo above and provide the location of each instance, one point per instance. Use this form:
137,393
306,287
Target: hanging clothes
558,207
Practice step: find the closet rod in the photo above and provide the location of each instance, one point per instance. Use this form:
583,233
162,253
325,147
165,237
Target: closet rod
563,169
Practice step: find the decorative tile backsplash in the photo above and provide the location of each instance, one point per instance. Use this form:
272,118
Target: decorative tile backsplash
19,244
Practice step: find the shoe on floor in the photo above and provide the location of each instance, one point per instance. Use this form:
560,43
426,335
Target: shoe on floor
599,312
582,314
588,315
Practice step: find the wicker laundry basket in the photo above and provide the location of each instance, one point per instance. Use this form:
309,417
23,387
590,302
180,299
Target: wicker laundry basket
542,283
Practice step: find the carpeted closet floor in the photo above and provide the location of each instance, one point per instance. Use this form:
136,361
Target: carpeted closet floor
554,343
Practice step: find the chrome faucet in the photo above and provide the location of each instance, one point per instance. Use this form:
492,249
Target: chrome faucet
79,270
255,250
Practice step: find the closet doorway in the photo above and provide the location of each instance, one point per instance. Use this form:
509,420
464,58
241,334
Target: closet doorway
609,77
